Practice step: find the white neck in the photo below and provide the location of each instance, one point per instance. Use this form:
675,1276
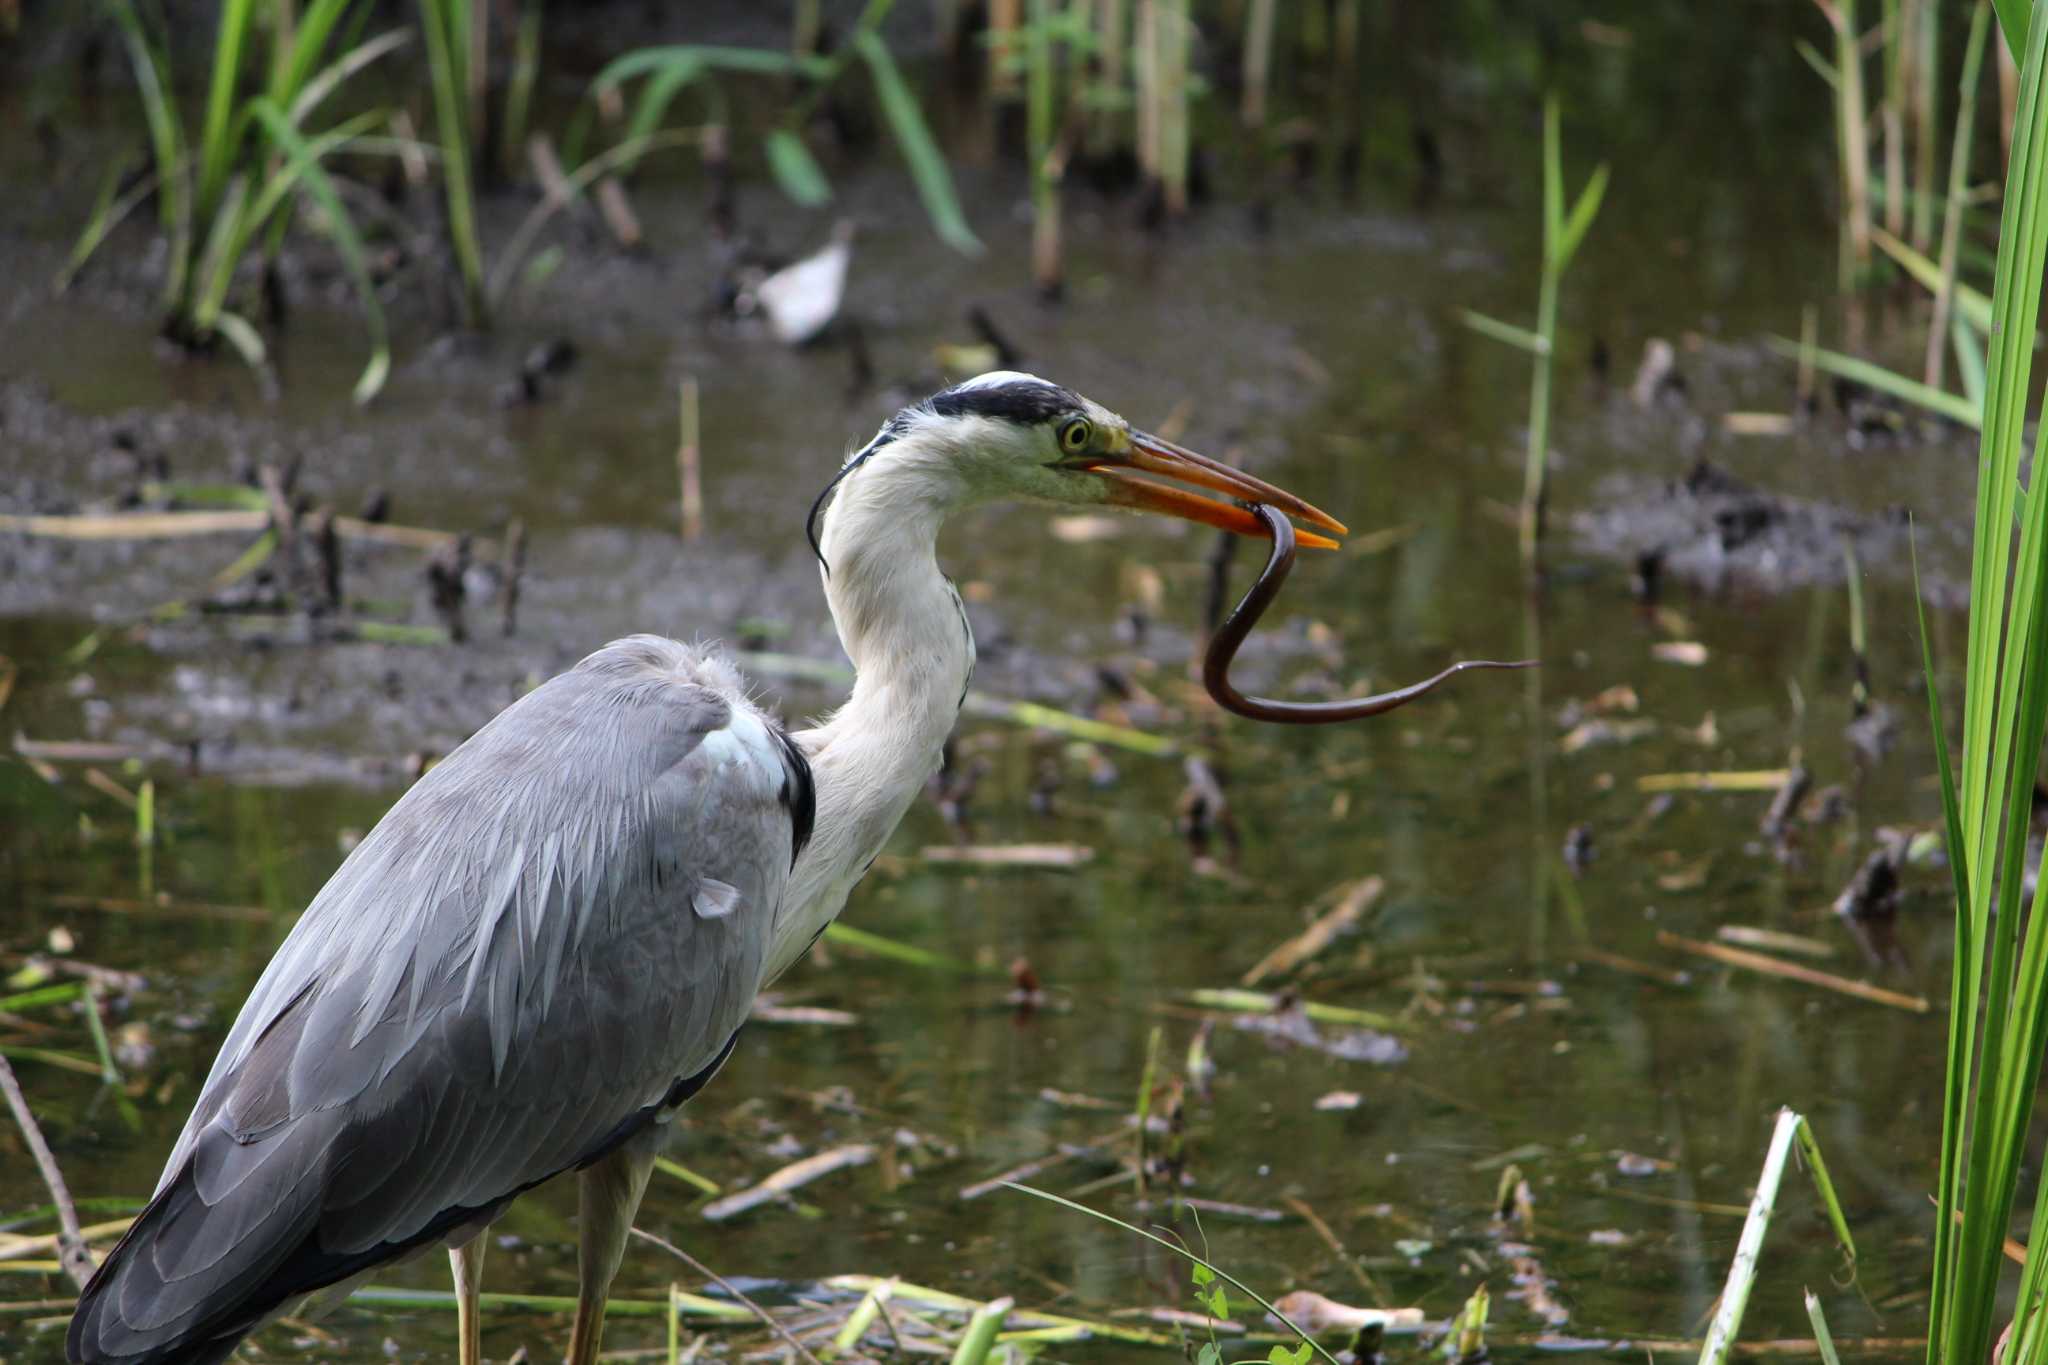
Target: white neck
901,623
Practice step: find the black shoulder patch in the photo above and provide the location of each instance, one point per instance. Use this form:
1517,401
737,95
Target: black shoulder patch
1024,401
799,794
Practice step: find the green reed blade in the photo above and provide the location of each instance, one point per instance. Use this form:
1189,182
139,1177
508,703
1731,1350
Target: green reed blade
218,142
920,152
303,167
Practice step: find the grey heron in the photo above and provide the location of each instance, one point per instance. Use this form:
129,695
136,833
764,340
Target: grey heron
551,941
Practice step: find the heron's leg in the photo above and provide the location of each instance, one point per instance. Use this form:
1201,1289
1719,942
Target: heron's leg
608,1196
467,1264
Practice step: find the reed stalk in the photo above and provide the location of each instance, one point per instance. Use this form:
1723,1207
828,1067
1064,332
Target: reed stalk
1145,76
1893,114
1258,63
1998,1012
1852,143
526,40
450,27
1041,104
1003,22
1958,188
1925,23
1111,43
1562,235
1174,33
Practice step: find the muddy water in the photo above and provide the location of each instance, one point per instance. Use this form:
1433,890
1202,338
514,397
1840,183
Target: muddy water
1327,356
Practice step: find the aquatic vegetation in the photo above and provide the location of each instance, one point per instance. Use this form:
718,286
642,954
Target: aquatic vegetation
1998,1010
1961,315
664,73
457,37
1165,34
1205,1272
1562,235
253,161
1792,1129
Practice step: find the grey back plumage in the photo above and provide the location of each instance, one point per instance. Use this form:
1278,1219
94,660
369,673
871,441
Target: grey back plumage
549,938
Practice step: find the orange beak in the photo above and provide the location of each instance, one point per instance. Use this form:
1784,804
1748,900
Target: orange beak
1150,455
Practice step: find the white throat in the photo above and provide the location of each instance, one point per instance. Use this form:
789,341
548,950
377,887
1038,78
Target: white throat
902,624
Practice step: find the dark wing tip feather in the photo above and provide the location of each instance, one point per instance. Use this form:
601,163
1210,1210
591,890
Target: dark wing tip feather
102,1331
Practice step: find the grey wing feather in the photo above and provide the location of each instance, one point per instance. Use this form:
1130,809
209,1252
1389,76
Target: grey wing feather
503,977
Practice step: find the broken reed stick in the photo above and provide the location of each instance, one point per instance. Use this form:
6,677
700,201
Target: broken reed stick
791,1177
1037,1166
1752,780
71,1252
1055,856
1793,971
1629,965
170,525
15,1248
1024,1318
1749,936
1358,897
688,462
756,1309
1324,1231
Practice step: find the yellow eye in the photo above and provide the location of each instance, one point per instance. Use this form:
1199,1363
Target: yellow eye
1075,435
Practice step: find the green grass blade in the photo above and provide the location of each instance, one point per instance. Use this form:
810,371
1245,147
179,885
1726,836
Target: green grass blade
95,1023
1177,1249
1582,215
1521,338
107,214
1742,1270
1972,304
309,43
1822,67
687,1176
795,170
1969,360
660,91
218,141
215,269
1938,401
447,52
331,76
1809,1148
755,60
303,166
1822,1337
1553,179
151,66
242,337
40,996
2012,21
2004,715
860,940
1999,713
927,166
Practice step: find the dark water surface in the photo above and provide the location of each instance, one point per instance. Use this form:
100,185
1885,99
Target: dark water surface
1327,355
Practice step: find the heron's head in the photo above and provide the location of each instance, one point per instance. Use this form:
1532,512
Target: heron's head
1006,435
